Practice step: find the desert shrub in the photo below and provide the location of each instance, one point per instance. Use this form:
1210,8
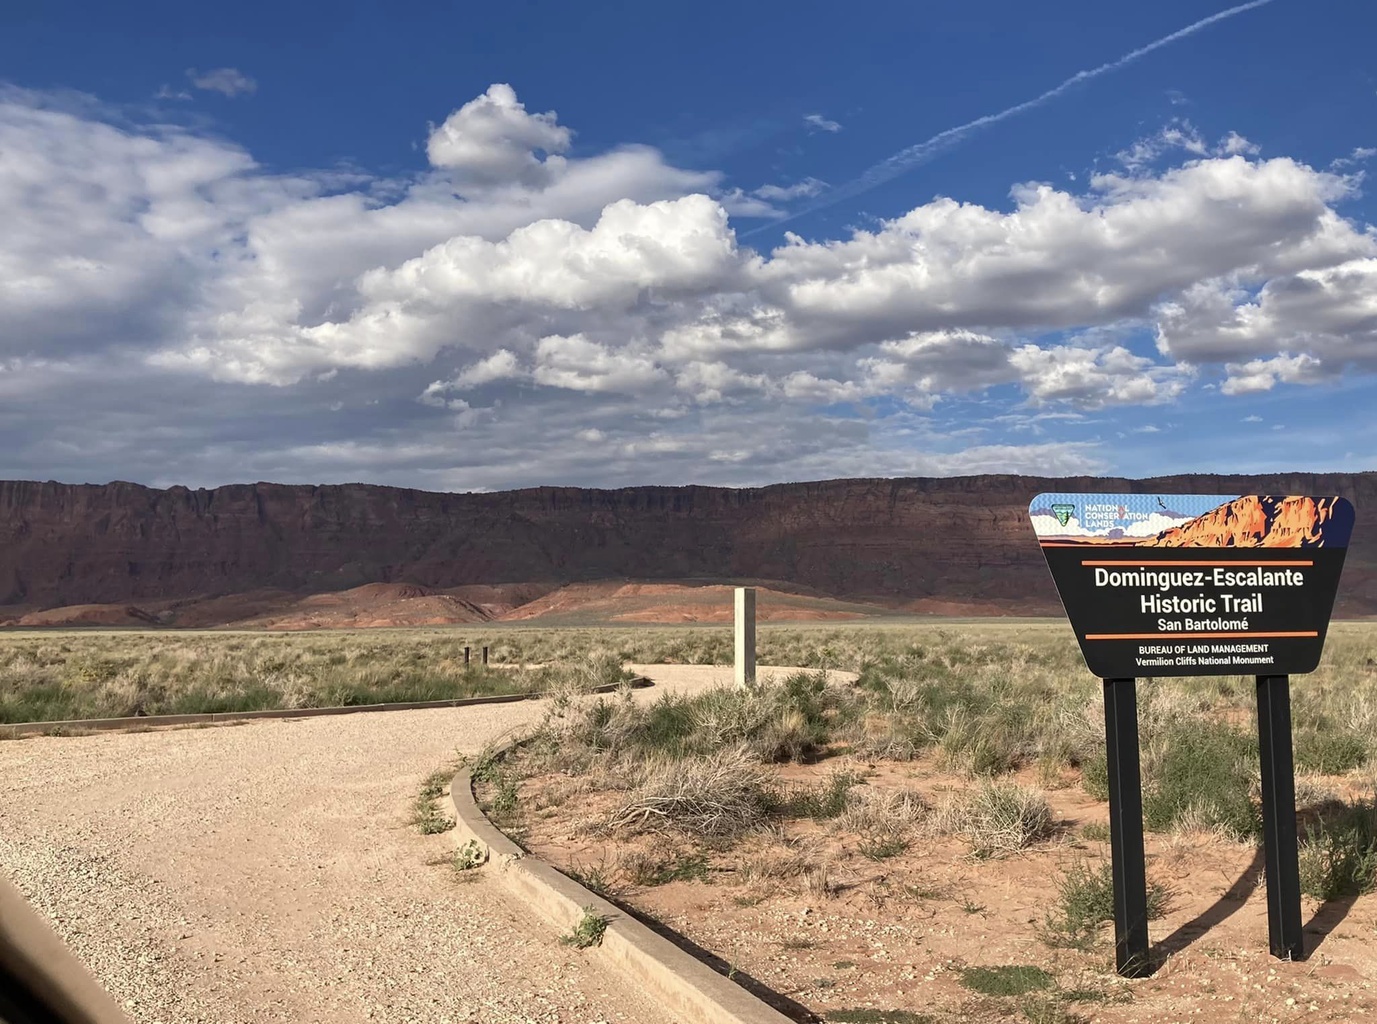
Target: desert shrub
885,735
816,881
1200,775
1329,751
594,877
806,711
117,674
1085,901
429,818
771,862
987,709
503,804
721,795
979,744
587,931
882,845
790,720
1095,774
872,811
1096,831
1338,855
827,799
998,819
651,868
469,856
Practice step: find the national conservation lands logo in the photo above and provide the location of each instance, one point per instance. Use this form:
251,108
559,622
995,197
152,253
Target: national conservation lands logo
1159,585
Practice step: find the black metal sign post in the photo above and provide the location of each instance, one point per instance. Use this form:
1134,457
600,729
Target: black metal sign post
1126,828
1197,585
1279,818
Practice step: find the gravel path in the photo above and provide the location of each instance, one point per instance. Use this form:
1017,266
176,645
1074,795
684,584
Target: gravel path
266,872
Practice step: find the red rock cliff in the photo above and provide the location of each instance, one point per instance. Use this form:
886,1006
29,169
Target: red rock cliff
964,538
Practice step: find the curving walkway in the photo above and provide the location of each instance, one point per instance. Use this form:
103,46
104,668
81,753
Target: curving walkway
266,872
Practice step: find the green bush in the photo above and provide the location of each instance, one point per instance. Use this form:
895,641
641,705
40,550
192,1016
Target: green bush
588,931
1202,776
1329,751
1338,856
826,800
1085,901
1095,774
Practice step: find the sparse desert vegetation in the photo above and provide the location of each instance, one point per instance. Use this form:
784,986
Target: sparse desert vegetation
942,814
52,676
955,790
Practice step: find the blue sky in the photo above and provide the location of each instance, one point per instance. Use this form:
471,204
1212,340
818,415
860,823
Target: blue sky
470,247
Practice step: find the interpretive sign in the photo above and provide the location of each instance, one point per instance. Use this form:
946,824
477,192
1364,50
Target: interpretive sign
1177,585
1194,585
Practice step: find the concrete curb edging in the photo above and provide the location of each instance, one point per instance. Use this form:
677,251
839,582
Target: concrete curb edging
79,725
684,985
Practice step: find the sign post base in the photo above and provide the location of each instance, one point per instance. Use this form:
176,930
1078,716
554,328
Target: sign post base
1126,829
1279,818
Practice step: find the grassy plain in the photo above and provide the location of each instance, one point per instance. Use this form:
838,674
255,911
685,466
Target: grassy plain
52,675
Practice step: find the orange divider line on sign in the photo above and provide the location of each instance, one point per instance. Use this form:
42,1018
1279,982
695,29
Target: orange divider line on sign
1146,562
1193,636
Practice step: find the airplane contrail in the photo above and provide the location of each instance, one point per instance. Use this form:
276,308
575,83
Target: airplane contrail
917,155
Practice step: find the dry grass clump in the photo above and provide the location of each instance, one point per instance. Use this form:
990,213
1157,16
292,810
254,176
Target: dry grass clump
997,819
721,795
792,720
654,867
773,862
877,811
817,882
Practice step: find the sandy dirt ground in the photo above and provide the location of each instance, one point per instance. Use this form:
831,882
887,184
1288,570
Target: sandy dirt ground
896,933
267,872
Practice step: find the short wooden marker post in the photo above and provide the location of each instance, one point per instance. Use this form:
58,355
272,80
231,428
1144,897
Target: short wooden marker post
466,655
1286,938
745,636
485,654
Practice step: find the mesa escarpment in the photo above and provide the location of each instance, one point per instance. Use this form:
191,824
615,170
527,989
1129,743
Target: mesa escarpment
914,543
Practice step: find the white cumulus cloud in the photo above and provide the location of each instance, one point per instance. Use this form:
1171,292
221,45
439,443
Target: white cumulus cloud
493,140
513,283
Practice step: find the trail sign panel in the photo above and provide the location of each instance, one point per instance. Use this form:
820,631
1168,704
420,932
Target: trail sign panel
1187,585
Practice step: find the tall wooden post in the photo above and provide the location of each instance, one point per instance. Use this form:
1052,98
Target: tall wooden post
745,636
